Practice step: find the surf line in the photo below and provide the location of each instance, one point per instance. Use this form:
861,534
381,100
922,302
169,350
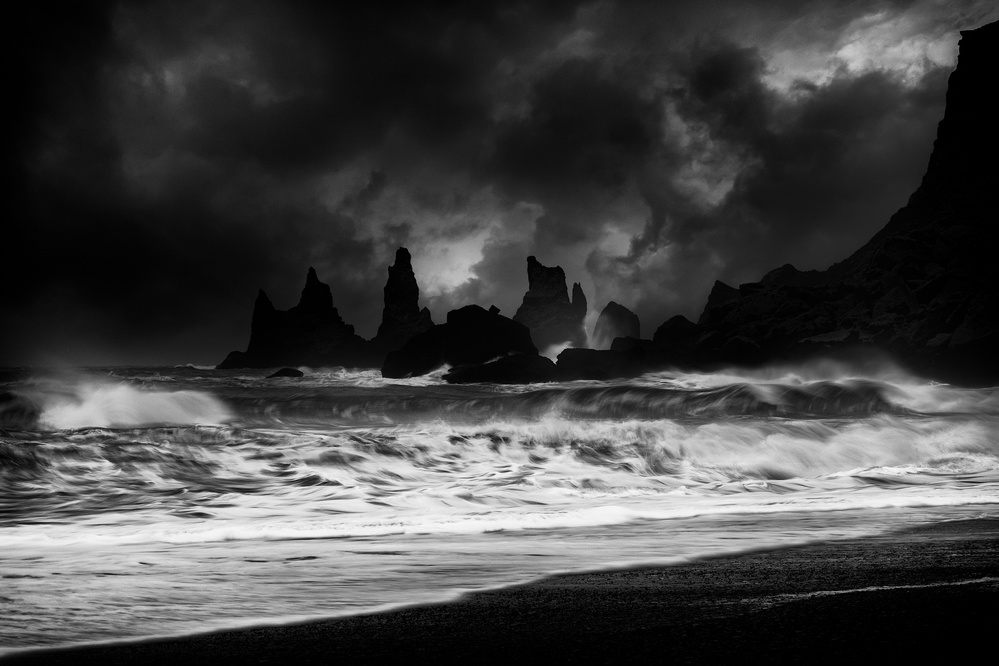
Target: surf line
776,599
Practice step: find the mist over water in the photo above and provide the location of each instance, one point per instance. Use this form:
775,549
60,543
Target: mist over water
151,501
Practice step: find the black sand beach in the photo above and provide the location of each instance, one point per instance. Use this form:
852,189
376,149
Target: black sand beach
929,592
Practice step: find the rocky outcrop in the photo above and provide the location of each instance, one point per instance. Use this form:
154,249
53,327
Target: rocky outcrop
600,364
721,295
547,311
290,373
925,288
402,317
678,332
512,369
471,336
615,321
311,333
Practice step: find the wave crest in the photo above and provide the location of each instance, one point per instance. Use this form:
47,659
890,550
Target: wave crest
93,404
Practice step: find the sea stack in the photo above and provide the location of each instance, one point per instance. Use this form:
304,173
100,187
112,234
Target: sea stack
402,317
547,311
472,335
615,321
311,333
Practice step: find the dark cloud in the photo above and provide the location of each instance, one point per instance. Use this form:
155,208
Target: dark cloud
587,136
818,171
171,158
585,130
816,182
725,88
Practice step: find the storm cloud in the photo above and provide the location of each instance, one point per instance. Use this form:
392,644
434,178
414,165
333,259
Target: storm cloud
169,159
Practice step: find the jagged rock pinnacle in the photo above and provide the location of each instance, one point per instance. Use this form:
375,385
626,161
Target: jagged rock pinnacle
402,317
547,311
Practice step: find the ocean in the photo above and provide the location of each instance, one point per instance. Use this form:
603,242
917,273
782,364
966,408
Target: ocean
139,502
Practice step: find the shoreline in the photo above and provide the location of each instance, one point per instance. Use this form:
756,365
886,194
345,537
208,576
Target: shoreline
912,592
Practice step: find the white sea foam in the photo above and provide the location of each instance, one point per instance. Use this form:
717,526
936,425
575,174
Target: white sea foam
93,404
874,368
343,490
368,378
593,511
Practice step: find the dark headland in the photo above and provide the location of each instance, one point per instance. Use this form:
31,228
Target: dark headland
923,593
923,291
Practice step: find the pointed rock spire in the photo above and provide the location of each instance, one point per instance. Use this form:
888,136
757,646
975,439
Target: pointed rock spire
402,317
317,299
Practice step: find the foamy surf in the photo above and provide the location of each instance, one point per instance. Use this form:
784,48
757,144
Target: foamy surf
97,405
228,497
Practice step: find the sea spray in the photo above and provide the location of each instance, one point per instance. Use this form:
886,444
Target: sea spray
98,404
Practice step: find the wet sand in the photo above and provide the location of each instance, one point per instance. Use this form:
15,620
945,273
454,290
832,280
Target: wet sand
925,593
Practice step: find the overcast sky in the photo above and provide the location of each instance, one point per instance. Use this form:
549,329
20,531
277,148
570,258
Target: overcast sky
174,157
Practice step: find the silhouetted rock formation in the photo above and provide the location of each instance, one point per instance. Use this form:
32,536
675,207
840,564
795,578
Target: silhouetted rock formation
615,321
720,296
286,372
311,333
600,364
925,288
679,331
547,310
513,369
402,317
472,335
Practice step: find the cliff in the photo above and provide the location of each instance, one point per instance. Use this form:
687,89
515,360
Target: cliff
924,289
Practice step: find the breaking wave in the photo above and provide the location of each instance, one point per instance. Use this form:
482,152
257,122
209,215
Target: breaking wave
342,490
95,404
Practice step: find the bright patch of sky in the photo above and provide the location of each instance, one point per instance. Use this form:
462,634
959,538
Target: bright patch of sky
440,267
906,43
444,264
896,44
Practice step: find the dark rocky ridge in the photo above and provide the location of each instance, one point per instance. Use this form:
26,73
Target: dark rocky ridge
511,369
471,336
548,312
311,333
